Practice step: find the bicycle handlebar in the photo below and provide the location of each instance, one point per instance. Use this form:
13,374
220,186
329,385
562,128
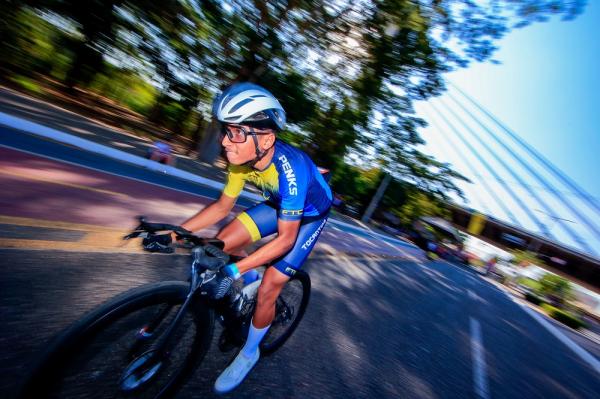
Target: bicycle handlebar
154,227
146,227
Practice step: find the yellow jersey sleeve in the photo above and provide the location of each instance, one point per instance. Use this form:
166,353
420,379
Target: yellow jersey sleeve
236,179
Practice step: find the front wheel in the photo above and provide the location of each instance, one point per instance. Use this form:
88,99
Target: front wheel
109,353
289,309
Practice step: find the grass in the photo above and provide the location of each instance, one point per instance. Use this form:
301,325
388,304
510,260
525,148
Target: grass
529,283
568,318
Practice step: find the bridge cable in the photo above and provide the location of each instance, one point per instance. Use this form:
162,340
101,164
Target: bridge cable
469,165
589,199
593,228
541,226
482,161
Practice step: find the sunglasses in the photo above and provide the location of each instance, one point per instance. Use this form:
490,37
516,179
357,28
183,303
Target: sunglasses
238,133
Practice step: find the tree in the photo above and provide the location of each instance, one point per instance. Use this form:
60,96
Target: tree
401,50
556,288
418,204
523,257
368,61
348,71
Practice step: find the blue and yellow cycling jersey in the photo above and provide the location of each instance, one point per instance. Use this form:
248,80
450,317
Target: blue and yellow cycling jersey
291,181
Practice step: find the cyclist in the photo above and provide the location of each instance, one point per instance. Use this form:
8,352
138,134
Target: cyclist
296,208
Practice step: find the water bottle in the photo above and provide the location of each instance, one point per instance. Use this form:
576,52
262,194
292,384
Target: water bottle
250,276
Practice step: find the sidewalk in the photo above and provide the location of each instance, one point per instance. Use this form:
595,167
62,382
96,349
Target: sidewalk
38,111
587,337
98,131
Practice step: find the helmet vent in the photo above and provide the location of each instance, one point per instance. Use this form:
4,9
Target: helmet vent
240,104
259,116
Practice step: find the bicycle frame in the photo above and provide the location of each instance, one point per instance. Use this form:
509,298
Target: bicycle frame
149,361
232,313
195,284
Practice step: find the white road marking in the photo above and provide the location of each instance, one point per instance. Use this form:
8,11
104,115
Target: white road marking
477,354
122,145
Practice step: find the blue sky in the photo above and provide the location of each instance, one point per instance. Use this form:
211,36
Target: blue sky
547,90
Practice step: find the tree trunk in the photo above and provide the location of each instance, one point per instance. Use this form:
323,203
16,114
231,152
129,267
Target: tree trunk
376,198
209,147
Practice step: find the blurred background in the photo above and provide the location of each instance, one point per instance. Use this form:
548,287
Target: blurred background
367,88
466,128
347,73
373,93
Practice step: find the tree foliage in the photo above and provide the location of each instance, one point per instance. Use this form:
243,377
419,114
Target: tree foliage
347,72
556,287
524,258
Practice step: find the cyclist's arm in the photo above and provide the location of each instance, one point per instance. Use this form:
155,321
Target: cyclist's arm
285,240
210,215
219,209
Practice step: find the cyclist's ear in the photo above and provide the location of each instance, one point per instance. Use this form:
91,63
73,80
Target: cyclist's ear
268,141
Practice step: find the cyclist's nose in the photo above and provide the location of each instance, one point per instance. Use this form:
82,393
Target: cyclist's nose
225,142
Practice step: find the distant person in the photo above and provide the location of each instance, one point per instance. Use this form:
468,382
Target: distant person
326,173
431,246
162,153
491,265
461,253
338,200
431,250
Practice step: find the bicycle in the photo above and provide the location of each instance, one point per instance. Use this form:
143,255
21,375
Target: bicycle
131,345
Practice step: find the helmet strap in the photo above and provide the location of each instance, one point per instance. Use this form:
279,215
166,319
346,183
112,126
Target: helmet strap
259,153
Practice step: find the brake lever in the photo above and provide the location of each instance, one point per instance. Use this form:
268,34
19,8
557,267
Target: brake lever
144,225
136,234
146,229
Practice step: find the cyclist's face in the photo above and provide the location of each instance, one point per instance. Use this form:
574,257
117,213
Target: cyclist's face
238,144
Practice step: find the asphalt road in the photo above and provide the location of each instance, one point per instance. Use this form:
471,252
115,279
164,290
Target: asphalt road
373,329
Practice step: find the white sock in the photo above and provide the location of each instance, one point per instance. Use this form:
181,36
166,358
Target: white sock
255,335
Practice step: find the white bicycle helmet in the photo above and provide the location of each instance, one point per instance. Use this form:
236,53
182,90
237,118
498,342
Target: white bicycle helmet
251,104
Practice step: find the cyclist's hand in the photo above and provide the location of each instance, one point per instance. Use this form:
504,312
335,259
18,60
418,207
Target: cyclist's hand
158,243
210,257
216,284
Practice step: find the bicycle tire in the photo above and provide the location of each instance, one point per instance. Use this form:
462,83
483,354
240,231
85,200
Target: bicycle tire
277,336
48,373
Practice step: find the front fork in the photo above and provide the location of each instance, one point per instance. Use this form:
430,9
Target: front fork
231,313
147,331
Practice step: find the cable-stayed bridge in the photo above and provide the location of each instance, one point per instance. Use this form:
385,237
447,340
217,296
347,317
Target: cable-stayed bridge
511,181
